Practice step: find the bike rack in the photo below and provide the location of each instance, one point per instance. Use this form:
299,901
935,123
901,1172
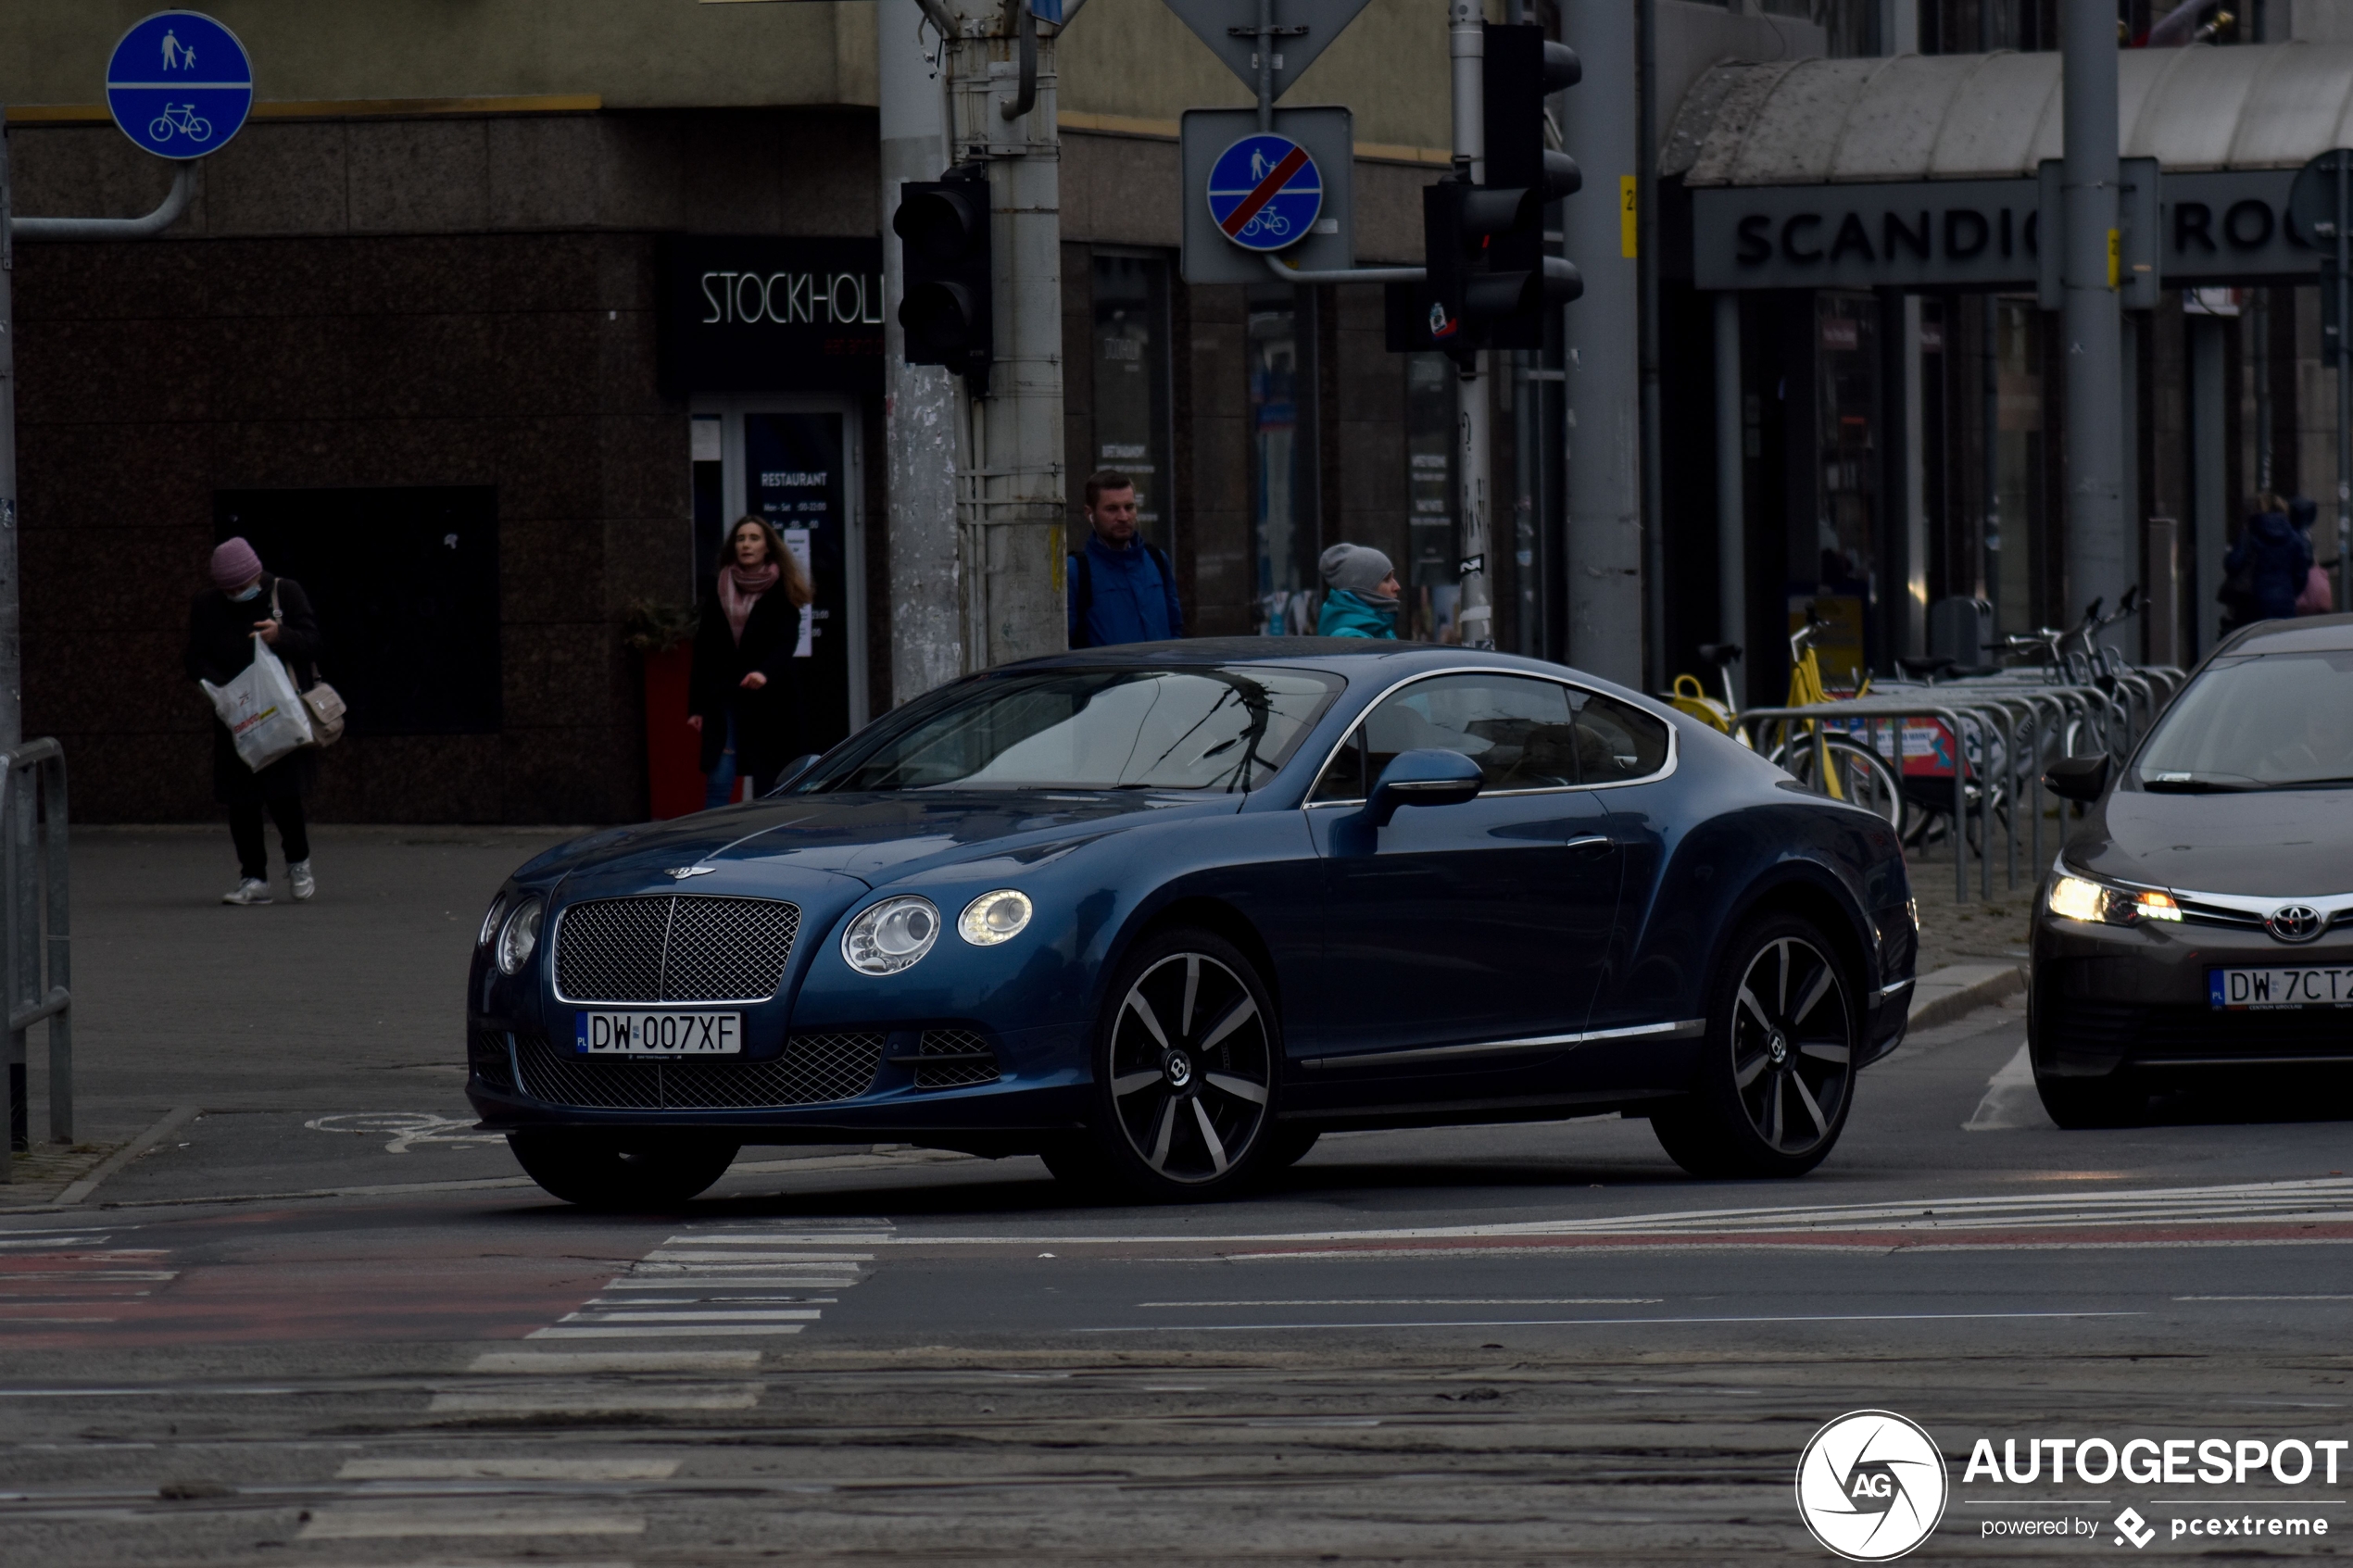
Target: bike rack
35,917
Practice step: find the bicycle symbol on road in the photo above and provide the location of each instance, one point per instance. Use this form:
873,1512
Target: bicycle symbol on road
183,118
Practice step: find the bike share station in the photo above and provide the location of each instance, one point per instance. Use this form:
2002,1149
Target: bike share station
180,85
1940,176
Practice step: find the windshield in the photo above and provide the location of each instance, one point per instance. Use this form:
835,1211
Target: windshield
2271,722
1204,728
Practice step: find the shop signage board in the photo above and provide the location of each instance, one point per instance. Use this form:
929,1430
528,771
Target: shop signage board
760,313
180,84
1233,220
2231,226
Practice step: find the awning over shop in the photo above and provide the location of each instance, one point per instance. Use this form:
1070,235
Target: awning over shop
1988,117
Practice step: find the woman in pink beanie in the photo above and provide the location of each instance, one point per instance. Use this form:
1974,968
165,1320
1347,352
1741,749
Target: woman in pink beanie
222,626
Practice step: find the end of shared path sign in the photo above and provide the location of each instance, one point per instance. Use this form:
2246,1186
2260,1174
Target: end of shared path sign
180,84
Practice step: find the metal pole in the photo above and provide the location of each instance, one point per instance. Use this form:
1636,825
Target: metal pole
1602,454
1474,449
1646,281
2092,322
2344,387
922,404
1731,522
1266,65
1010,500
60,976
11,653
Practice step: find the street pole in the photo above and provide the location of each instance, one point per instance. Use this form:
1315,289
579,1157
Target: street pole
922,404
2343,381
2092,325
1475,611
11,608
1602,454
1009,503
1654,514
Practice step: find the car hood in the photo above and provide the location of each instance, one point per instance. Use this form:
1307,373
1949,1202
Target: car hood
2279,843
872,837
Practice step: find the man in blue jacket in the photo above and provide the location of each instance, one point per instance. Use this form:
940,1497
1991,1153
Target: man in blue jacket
1122,589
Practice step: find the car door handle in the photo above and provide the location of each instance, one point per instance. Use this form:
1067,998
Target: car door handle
1590,845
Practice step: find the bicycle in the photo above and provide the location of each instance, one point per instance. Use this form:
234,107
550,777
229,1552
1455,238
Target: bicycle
183,119
1849,769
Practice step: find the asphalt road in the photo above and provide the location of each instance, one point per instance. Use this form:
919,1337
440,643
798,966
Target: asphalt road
323,1322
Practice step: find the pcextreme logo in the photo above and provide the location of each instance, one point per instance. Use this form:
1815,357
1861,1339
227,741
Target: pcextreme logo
1871,1486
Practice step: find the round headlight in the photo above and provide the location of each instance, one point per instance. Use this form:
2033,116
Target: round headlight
994,917
490,920
519,936
891,936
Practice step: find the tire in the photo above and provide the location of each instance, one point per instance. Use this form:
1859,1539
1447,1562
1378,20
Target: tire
2076,1104
1187,1063
1864,777
620,1172
1776,1068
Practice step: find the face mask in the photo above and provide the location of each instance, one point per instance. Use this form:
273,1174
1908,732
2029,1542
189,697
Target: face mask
254,592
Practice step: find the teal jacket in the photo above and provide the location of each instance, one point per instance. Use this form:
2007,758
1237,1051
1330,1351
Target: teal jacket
1345,615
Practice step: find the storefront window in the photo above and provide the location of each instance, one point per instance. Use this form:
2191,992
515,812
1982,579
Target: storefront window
1131,385
1847,377
1284,519
708,455
2016,528
1430,579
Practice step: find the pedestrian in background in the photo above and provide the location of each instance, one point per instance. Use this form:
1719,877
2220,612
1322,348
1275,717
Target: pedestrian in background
2319,597
2267,569
222,626
1122,588
1361,597
743,692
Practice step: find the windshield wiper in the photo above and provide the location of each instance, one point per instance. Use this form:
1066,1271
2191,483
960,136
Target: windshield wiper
2170,782
2312,784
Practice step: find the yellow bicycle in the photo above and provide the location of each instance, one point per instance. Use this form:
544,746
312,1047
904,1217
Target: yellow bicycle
1848,768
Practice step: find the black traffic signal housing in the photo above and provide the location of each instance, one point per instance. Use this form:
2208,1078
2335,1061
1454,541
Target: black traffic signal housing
947,308
1490,282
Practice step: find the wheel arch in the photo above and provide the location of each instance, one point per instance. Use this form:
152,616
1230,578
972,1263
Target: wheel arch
1813,894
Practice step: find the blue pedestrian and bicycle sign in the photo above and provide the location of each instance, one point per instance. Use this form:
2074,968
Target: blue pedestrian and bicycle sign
1264,191
180,84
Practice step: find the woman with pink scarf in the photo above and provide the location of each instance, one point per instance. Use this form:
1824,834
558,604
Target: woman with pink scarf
744,694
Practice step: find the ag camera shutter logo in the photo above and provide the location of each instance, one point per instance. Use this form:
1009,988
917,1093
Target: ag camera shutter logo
1871,1486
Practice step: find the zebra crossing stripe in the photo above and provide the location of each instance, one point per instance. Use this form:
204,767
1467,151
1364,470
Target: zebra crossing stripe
730,1281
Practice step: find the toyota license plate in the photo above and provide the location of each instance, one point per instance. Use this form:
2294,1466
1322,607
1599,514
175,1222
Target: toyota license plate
658,1034
2323,986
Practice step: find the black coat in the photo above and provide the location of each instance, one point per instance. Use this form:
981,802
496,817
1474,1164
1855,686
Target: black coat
220,647
768,722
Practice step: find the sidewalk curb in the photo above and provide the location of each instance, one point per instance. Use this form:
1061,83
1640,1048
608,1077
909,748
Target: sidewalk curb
1946,994
171,1123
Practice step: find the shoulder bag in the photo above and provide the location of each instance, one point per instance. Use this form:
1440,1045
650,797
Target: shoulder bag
325,703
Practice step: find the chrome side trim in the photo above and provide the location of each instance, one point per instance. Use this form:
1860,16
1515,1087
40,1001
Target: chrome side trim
1674,741
1687,1029
1884,992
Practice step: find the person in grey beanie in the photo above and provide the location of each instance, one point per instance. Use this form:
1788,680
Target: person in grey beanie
1361,596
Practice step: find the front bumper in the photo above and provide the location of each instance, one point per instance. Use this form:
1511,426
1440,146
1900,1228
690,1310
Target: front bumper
2105,998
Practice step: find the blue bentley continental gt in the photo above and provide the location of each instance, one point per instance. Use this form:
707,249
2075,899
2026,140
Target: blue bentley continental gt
1164,913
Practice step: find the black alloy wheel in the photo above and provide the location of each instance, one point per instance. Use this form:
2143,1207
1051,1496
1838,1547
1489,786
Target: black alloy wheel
1185,1072
1776,1071
621,1170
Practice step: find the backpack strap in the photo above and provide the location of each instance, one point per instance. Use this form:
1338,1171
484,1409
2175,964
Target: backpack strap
1082,590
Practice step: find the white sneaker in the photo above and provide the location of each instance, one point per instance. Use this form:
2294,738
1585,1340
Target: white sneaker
305,885
253,890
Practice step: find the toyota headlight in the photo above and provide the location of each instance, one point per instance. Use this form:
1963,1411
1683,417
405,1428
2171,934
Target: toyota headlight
519,938
891,936
2073,897
994,917
490,920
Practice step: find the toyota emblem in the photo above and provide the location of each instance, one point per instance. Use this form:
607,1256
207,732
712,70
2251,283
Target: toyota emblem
2294,922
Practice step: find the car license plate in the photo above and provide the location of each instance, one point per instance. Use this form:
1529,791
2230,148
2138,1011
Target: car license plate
658,1034
2325,986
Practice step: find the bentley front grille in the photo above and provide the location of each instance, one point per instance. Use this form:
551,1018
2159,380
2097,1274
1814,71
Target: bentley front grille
674,948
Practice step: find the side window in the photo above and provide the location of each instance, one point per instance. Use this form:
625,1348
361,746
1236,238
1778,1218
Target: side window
1344,774
1615,740
1516,729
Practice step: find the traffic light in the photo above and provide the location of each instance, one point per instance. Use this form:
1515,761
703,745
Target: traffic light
945,311
1490,282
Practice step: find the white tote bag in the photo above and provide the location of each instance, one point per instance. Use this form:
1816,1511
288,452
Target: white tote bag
262,709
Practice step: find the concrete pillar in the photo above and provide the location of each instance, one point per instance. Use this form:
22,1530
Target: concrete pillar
2209,502
922,403
1731,516
1604,445
2091,321
1910,621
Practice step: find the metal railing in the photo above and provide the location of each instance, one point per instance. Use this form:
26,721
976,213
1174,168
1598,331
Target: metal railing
2005,730
35,933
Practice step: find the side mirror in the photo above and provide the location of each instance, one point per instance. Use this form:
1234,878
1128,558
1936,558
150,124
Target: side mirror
1422,778
793,769
2077,778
